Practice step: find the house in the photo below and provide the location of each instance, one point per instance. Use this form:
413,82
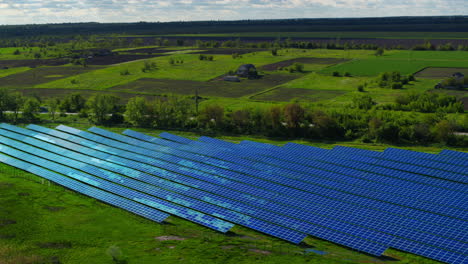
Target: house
458,76
247,71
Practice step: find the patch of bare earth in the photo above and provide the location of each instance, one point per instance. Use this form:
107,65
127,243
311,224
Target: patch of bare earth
170,238
264,252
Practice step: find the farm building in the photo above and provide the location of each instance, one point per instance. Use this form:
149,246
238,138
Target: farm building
458,76
247,71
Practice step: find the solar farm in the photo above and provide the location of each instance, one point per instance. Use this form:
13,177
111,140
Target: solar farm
365,200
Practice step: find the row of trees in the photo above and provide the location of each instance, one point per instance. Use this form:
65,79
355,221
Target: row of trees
361,119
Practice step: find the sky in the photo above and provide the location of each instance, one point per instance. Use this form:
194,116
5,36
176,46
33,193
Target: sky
60,11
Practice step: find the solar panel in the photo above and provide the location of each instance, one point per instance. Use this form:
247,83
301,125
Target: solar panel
108,186
340,195
109,198
454,154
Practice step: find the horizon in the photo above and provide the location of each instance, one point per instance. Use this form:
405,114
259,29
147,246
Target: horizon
28,12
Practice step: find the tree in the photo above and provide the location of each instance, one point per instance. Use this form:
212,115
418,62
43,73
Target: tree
443,131
102,105
379,52
294,115
5,101
364,102
73,103
53,104
15,104
30,109
137,111
212,114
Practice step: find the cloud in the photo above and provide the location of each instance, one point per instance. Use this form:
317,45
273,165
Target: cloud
56,11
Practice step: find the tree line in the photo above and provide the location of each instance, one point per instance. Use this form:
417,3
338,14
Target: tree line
395,123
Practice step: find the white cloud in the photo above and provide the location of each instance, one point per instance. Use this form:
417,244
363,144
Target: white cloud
55,11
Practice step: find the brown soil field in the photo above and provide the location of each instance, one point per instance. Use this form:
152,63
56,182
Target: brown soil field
287,63
148,50
32,63
228,51
41,75
46,93
214,51
439,73
287,94
215,88
114,59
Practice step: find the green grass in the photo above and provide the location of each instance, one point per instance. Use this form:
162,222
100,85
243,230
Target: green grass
374,66
317,81
333,34
10,71
27,53
193,69
42,214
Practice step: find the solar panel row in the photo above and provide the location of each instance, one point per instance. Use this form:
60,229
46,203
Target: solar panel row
365,200
434,252
117,201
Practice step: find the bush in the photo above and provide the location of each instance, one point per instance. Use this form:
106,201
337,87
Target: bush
274,52
336,74
125,72
360,88
299,67
397,85
347,74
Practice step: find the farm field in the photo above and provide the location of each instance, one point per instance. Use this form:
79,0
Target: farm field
184,78
440,73
37,76
6,72
192,69
216,88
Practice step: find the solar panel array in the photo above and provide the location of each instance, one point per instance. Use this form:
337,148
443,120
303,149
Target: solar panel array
366,200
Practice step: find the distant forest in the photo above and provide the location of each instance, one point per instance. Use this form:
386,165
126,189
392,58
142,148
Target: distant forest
389,24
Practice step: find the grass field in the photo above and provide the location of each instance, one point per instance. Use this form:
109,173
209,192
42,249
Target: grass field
40,221
26,53
332,34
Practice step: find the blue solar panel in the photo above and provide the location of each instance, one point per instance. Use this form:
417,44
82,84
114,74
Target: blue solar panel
454,154
175,138
117,201
410,201
332,194
87,178
134,134
426,156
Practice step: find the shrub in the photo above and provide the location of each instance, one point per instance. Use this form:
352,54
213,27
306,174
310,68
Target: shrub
347,74
336,74
397,85
299,67
360,88
125,72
